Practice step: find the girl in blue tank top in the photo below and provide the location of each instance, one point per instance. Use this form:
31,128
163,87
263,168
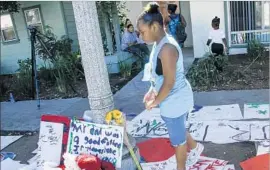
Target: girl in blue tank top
169,88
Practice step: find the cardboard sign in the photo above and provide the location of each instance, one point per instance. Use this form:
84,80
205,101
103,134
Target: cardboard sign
50,142
105,141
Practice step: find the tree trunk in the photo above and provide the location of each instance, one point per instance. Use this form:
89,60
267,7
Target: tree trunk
116,26
99,92
96,74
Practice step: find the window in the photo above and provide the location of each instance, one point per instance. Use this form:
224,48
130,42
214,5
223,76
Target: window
33,18
8,33
249,20
249,15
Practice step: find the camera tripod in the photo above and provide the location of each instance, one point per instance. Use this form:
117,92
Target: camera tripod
36,35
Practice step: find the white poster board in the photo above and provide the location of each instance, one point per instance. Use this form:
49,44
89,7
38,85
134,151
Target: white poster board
263,147
229,167
221,132
105,141
202,164
7,140
256,111
9,164
220,112
148,124
50,143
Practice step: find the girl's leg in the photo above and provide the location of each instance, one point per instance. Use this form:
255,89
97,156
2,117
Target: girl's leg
177,133
181,156
191,143
195,150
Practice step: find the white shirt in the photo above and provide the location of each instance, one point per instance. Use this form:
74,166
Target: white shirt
216,36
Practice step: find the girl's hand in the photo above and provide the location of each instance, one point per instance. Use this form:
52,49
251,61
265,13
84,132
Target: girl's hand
150,104
150,95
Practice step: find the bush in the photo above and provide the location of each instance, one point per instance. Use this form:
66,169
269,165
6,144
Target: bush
66,66
255,49
207,71
125,69
23,83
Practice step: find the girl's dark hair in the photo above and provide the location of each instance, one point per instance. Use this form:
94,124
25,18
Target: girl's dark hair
216,21
129,25
151,14
172,7
127,21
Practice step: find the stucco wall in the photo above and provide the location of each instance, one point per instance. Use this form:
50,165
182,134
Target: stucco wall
70,23
136,7
202,13
12,52
134,10
185,11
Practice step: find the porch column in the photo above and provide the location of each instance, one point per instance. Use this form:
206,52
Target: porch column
106,24
99,92
116,26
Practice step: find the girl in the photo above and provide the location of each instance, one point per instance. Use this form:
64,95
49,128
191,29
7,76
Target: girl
217,38
169,87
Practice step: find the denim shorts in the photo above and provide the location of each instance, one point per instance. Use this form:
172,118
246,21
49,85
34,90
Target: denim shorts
177,129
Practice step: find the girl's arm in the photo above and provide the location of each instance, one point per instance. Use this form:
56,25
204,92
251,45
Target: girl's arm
208,42
169,57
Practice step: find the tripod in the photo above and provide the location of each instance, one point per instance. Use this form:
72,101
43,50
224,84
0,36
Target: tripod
35,35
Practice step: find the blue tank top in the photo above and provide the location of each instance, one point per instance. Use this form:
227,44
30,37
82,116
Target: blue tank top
175,20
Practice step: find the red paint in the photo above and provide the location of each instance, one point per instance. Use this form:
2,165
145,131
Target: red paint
156,149
260,162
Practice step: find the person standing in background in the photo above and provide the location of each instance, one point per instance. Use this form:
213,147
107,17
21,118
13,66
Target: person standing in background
176,25
216,39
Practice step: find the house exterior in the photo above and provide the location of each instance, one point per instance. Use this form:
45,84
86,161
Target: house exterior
241,20
15,38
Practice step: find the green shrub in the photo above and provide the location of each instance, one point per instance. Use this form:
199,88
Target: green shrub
206,71
66,66
125,69
23,83
255,49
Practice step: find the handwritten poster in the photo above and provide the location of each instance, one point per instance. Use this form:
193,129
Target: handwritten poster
105,141
220,112
50,143
148,124
156,166
232,131
256,111
263,147
204,163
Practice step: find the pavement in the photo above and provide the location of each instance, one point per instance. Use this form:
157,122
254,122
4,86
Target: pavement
25,116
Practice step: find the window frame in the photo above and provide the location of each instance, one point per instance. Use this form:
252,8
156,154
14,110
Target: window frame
40,14
228,24
14,29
